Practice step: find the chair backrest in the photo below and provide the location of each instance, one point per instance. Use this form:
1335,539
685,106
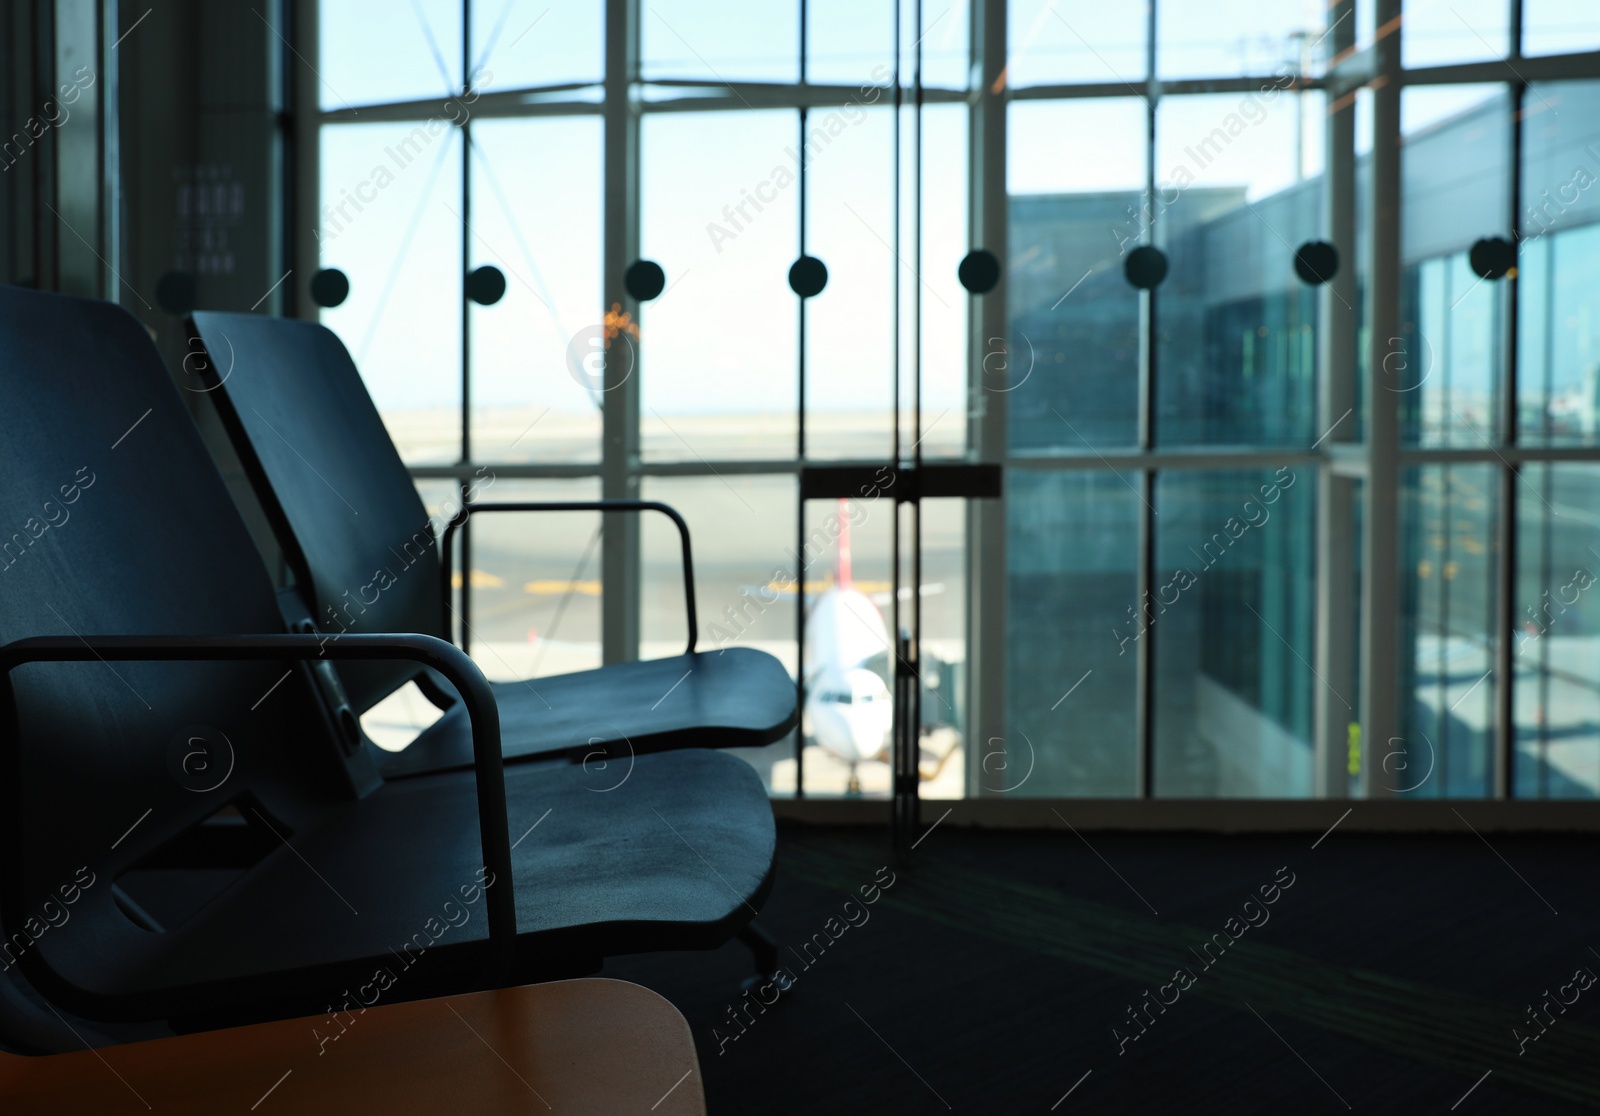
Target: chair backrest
329,479
115,521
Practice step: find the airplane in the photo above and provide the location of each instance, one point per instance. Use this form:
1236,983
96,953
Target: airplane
848,709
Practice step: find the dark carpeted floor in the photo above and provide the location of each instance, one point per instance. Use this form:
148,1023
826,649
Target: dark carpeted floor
1391,974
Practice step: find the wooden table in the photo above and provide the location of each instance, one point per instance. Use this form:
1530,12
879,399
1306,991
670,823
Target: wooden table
573,1046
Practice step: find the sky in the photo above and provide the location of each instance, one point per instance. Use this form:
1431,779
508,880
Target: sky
723,338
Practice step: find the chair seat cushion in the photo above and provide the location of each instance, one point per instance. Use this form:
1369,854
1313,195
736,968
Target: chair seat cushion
736,698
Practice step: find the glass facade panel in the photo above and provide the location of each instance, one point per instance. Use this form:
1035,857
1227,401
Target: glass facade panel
420,59
1449,362
945,302
536,583
847,594
719,41
533,397
391,221
1072,609
753,133
1556,633
1559,26
1238,193
1084,43
850,325
1239,38
718,347
746,580
1231,615
1558,265
1448,559
944,762
849,43
522,43
1441,31
1070,367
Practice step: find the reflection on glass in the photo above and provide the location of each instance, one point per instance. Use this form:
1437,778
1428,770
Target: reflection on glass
1556,632
535,582
1559,26
391,222
1238,192
1448,560
1232,616
418,55
1083,43
719,41
1072,582
527,43
1236,38
846,715
1434,32
717,349
533,398
1070,368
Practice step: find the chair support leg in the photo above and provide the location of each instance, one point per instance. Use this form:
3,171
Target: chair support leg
765,953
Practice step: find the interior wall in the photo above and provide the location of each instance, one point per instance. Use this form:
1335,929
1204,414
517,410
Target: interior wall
202,172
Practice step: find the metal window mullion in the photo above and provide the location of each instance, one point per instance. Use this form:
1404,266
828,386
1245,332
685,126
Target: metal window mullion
1335,527
988,217
1380,598
466,331
1506,571
1145,667
619,452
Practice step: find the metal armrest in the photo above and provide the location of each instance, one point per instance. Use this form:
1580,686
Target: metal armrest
469,510
493,828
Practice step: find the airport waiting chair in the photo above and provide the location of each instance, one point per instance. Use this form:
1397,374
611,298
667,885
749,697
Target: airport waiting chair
573,1046
360,543
199,840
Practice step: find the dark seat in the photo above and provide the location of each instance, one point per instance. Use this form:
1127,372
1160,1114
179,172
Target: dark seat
367,556
227,847
702,700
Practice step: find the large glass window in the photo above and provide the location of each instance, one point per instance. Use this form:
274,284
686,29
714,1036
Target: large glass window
1151,368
